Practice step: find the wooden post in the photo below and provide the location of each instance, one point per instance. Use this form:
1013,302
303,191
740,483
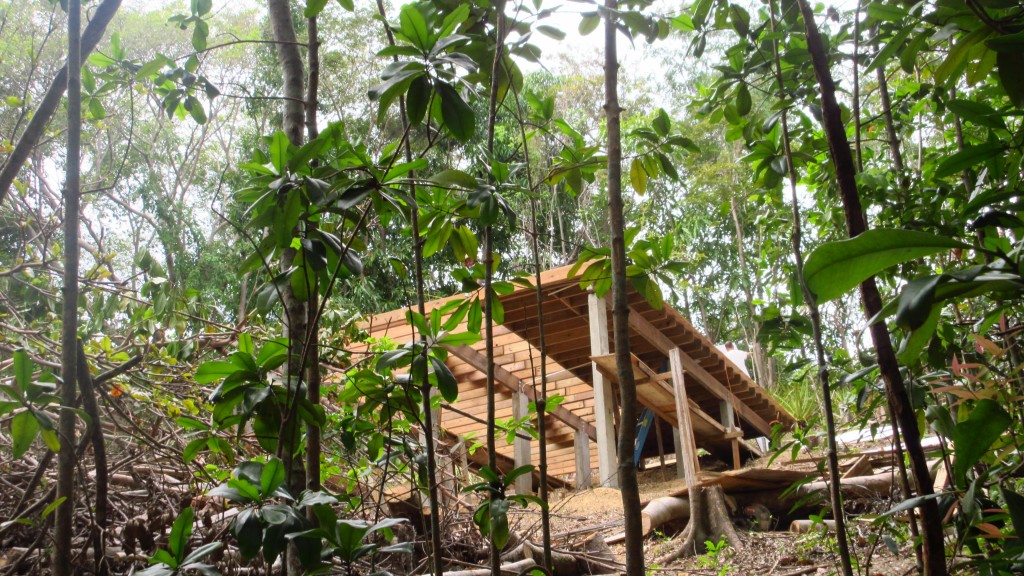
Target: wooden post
521,446
728,420
680,465
604,400
687,447
661,448
582,445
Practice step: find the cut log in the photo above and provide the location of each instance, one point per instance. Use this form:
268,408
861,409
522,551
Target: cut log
562,564
663,510
805,526
511,568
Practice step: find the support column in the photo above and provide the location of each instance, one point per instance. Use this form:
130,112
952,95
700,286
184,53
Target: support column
582,446
680,465
687,447
728,420
604,402
521,446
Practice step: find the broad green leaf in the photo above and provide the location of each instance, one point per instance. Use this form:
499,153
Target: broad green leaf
279,154
414,27
272,476
886,11
22,370
638,176
417,99
743,100
661,123
314,8
972,437
968,157
589,23
499,531
457,116
181,531
550,31
835,268
977,112
24,429
1010,65
213,371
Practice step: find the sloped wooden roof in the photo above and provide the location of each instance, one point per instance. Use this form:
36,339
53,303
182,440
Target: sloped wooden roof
710,376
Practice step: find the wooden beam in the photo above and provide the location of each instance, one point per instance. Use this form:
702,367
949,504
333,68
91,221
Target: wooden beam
648,332
604,401
521,447
582,448
513,383
687,448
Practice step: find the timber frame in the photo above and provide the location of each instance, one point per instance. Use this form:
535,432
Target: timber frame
680,375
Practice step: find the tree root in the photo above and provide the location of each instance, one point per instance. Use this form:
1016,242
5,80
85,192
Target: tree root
709,521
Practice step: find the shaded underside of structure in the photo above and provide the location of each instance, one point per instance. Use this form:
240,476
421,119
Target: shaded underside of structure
724,404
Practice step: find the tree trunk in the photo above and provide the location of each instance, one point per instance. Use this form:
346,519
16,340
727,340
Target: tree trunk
835,496
709,522
896,392
51,100
492,116
620,303
65,513
296,320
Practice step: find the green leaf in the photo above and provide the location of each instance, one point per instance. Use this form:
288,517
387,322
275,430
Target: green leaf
743,100
589,23
272,476
1010,65
414,27
499,531
976,112
22,370
314,8
181,531
972,437
279,154
638,176
417,100
551,32
51,439
967,158
53,506
661,123
457,116
740,20
887,12
835,268
213,371
24,429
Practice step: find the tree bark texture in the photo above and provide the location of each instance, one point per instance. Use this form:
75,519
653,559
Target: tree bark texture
65,514
51,100
896,391
620,303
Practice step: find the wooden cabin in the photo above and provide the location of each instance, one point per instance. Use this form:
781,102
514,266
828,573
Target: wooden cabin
675,368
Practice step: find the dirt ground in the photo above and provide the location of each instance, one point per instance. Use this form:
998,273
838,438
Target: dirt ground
575,516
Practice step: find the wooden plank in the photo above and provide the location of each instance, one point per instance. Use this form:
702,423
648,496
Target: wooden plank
582,453
604,400
520,409
512,383
687,448
662,342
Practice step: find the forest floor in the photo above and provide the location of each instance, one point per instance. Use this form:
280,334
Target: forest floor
578,515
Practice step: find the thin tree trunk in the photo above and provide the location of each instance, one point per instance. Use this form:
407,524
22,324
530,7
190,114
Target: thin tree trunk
620,302
896,391
436,559
296,313
312,346
51,100
492,115
835,495
99,455
65,513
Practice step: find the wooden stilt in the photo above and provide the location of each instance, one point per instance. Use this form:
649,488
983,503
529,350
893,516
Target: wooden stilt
604,401
687,448
661,447
582,445
521,446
